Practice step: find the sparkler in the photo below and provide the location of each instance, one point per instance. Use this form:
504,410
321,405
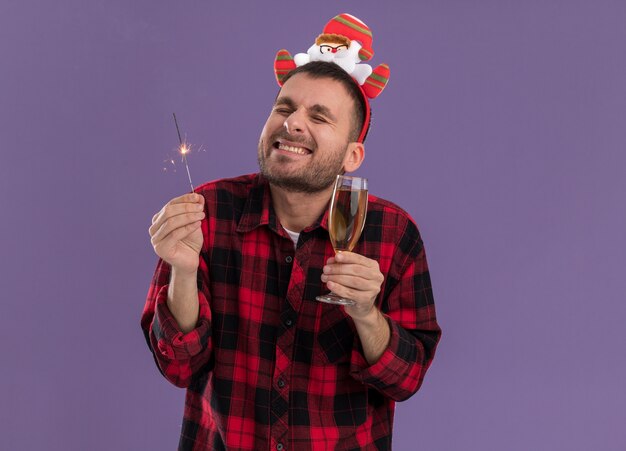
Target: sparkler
184,150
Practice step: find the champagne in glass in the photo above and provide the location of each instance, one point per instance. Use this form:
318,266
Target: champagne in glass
346,219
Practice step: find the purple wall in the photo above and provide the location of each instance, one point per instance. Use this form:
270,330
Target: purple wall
502,132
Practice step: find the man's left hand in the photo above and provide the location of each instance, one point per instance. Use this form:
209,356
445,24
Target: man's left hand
355,277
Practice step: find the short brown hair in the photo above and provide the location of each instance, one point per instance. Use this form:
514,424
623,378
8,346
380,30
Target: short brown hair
331,37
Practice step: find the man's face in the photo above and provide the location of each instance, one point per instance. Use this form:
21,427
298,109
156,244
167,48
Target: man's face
304,141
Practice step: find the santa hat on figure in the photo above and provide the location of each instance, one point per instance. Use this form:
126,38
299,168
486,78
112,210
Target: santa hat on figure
345,41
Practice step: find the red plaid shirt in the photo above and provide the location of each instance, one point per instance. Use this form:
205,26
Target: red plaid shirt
269,368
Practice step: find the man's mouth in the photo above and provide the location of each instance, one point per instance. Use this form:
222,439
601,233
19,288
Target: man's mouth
291,148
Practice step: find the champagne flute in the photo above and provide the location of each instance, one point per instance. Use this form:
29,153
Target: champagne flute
346,219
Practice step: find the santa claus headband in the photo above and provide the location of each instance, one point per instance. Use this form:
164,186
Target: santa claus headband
345,41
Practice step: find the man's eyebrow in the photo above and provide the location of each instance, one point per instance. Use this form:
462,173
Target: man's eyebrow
324,111
284,100
317,108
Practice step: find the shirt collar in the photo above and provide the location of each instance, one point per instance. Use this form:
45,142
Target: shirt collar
259,211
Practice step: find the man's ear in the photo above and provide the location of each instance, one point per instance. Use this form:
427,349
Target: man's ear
354,157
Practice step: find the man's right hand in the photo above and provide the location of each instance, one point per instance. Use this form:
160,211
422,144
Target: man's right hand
175,232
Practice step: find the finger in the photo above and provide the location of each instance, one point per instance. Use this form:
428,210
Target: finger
174,223
165,225
347,293
177,235
345,257
171,210
352,269
338,268
189,197
351,257
353,282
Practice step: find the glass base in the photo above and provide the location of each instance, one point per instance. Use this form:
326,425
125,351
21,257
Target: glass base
332,298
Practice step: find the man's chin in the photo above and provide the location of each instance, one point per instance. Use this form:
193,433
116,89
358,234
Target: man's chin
294,184
291,185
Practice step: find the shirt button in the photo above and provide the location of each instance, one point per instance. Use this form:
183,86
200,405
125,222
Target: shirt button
165,348
281,383
280,447
288,322
288,259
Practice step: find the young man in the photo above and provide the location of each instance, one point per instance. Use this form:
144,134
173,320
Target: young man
231,313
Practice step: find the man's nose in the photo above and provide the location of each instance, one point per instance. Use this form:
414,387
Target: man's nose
294,122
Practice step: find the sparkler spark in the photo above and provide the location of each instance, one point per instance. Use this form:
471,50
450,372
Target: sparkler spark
184,150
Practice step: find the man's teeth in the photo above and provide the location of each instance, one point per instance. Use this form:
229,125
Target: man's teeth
298,150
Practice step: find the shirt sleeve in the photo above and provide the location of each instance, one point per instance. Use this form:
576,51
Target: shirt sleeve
179,356
410,312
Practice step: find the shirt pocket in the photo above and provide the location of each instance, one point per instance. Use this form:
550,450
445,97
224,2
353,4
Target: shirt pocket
335,339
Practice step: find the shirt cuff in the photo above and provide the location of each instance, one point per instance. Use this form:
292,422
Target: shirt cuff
392,366
171,341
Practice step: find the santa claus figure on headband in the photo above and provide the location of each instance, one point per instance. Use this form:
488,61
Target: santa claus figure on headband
347,42
338,49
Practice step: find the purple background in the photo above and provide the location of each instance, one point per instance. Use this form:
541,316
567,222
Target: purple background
502,132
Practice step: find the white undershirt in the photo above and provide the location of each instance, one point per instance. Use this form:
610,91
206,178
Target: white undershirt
294,236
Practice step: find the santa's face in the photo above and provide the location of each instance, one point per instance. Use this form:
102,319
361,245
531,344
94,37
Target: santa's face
334,48
303,144
328,51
